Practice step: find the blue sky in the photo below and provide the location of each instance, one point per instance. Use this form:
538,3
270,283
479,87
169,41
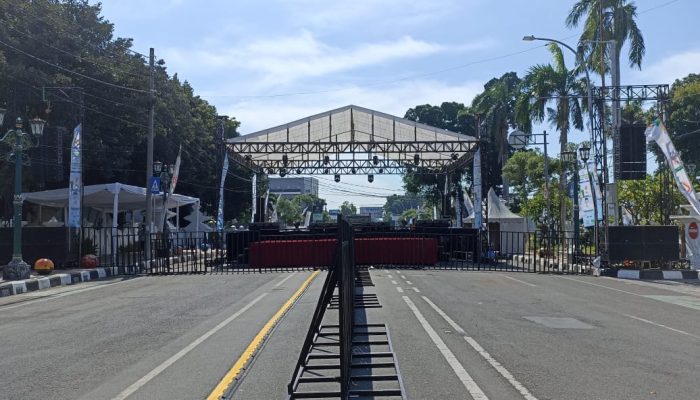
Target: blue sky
272,62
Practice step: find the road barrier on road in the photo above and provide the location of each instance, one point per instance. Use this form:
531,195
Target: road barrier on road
355,342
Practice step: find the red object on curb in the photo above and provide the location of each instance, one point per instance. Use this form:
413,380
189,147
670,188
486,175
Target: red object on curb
693,230
89,261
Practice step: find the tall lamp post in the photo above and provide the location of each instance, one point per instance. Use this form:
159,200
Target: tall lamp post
19,141
589,102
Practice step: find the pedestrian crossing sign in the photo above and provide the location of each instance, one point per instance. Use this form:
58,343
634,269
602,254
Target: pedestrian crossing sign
154,185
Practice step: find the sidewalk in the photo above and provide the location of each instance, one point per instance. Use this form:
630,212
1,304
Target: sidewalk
61,278
188,262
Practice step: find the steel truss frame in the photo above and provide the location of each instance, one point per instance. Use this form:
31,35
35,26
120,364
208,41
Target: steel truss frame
362,152
623,93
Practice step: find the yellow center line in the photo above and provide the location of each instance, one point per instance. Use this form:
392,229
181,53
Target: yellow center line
237,367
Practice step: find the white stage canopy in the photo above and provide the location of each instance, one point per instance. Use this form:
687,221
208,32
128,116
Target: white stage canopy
347,140
108,197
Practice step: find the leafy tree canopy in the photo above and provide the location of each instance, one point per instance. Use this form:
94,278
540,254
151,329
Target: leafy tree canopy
69,46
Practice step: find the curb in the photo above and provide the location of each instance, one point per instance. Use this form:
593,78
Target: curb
539,264
657,274
62,279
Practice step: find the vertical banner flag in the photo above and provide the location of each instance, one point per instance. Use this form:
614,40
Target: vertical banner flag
220,214
468,205
585,200
477,189
173,182
657,132
75,181
254,190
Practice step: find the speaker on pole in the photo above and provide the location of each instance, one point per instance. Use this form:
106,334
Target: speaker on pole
631,164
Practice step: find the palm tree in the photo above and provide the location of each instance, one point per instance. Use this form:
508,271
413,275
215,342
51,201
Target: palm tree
556,85
497,106
619,23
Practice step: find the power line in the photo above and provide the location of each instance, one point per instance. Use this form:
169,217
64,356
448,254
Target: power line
53,23
77,57
64,69
136,124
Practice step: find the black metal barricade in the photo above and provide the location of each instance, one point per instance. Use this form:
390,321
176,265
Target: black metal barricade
346,296
353,340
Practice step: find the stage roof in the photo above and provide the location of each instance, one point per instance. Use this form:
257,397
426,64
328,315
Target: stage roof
352,139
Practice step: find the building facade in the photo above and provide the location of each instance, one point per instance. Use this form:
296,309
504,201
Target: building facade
375,213
290,187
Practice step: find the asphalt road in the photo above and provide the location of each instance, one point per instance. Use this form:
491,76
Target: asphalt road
456,335
520,335
165,337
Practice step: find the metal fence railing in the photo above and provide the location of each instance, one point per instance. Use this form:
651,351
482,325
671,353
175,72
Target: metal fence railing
439,248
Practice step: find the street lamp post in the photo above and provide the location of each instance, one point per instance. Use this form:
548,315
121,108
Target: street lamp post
589,102
20,141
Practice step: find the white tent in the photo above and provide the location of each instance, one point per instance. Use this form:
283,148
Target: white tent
114,198
109,196
510,225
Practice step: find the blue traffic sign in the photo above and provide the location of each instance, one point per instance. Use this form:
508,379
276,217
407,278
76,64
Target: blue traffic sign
154,185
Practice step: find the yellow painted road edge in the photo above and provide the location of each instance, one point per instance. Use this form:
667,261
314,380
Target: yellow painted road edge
233,373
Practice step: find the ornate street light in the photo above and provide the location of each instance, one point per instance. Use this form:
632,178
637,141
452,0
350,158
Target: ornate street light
20,141
585,153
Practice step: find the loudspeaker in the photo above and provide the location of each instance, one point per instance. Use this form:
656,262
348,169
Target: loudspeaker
643,243
632,161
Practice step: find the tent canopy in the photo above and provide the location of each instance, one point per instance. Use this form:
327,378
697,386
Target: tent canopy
347,140
102,197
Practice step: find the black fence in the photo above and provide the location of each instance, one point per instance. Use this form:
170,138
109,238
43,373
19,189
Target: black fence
272,249
427,247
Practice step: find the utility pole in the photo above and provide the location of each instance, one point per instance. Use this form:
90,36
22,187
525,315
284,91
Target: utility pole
149,159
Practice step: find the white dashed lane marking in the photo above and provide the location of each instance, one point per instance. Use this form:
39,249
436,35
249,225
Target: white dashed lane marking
415,289
492,361
466,379
399,289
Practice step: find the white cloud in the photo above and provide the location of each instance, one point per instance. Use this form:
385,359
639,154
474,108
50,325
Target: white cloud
668,69
372,14
276,61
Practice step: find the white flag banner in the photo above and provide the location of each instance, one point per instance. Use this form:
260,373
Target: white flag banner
254,192
468,205
220,211
173,182
586,189
75,180
477,190
657,132
176,174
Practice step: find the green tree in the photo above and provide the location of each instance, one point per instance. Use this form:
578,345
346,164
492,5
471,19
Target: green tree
451,116
309,202
288,211
556,85
524,170
641,198
618,20
347,209
684,117
115,90
497,106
